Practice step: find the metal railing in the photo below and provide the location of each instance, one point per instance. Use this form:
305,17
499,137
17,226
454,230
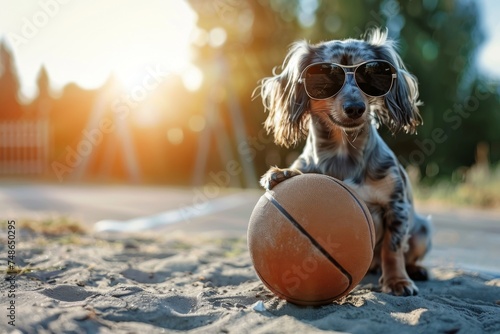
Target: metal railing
24,147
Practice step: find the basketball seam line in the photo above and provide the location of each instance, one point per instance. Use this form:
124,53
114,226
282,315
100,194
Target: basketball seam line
311,239
362,209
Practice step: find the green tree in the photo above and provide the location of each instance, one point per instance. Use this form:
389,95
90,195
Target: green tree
438,41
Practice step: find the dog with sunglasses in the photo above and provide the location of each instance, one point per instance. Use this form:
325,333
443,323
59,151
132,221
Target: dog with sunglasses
336,94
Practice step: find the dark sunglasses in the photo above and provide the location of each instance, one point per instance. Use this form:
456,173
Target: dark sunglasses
324,80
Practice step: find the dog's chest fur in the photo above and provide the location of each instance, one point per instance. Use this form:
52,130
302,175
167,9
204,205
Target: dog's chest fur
360,160
374,179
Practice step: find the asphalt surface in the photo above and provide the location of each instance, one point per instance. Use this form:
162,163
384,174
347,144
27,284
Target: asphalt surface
465,238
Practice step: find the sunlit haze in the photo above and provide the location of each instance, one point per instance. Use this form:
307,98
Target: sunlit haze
84,41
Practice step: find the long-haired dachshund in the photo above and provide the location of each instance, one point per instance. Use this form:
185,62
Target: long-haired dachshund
336,93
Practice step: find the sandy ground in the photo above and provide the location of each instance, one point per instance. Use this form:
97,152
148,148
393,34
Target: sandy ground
195,274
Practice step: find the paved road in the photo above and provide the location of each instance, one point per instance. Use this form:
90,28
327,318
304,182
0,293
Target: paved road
465,238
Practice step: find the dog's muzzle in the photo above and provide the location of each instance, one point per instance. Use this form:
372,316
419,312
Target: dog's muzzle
354,110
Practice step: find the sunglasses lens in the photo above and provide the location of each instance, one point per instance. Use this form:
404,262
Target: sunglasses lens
375,78
324,80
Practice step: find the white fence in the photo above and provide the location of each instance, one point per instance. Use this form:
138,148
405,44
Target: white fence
24,147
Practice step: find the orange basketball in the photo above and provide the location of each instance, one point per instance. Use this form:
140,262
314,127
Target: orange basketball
311,239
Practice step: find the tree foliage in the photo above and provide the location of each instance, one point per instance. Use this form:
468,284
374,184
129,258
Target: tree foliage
438,41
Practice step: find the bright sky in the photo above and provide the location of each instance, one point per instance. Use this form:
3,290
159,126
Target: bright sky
489,60
84,41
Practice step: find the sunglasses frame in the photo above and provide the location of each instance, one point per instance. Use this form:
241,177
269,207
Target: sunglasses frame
302,79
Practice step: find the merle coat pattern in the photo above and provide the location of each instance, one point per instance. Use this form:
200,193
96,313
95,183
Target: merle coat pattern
349,147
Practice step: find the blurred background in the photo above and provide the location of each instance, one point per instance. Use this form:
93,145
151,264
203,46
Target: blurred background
160,92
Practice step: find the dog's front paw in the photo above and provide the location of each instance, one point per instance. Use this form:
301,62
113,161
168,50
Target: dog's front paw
276,175
399,286
417,273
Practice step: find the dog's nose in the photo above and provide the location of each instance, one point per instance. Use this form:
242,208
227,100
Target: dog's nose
354,110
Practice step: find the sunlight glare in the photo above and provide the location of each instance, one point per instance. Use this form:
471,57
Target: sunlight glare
217,37
192,78
175,136
197,123
145,116
84,42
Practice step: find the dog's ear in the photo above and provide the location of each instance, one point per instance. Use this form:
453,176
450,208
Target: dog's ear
285,98
400,109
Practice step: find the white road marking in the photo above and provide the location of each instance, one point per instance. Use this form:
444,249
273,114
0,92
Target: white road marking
183,214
